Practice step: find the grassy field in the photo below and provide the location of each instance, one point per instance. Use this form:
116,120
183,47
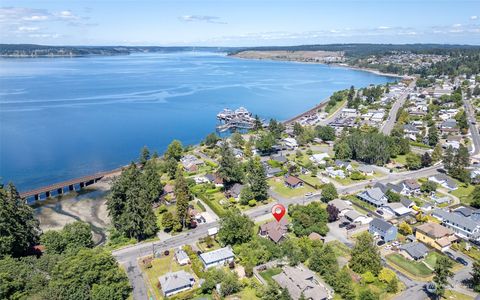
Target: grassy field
340,249
311,180
454,295
268,274
280,188
416,269
463,192
401,159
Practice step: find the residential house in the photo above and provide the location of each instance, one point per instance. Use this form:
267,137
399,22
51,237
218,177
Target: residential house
396,209
212,231
464,211
299,280
444,181
440,200
237,153
366,170
319,158
377,117
168,194
290,143
335,173
410,187
373,196
234,191
217,257
279,158
355,217
274,230
176,282
464,227
215,179
272,172
449,126
293,182
383,229
410,131
407,202
435,235
348,113
191,163
342,206
181,257
343,164
414,250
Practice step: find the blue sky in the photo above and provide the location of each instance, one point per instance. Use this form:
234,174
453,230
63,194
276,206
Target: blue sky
238,22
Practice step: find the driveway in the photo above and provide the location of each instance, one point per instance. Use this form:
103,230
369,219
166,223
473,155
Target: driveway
337,234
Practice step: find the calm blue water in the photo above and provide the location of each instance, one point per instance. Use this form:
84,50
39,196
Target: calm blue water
62,118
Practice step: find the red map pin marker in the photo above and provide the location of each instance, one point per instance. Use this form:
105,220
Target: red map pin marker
278,211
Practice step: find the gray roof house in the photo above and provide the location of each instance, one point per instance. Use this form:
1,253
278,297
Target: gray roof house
374,196
414,250
444,181
300,280
462,226
176,282
182,257
366,169
217,257
235,191
385,230
410,129
407,202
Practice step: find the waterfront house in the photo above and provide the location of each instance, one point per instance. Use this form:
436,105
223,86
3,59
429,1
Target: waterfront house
383,229
414,250
176,282
435,235
373,196
293,182
464,227
181,257
217,257
274,230
299,280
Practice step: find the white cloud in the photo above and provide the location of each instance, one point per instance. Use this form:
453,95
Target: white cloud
28,28
383,27
200,18
457,25
473,17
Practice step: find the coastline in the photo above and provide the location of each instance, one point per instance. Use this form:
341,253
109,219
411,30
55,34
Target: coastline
342,65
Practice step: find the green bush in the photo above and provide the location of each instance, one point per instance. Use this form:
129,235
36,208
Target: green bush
368,277
252,202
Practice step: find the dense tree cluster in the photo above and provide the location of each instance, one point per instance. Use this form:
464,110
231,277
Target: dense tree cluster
308,218
370,147
230,168
235,228
19,230
129,204
456,163
365,255
72,237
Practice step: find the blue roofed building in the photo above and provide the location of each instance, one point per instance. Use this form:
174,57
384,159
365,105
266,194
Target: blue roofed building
383,229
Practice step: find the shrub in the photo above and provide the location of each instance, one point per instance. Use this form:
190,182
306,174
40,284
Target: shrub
368,277
252,202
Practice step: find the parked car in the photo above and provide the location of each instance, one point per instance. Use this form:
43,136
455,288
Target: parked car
449,254
396,243
380,212
351,226
381,242
462,261
341,225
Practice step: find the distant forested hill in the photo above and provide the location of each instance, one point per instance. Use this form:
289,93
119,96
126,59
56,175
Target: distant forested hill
361,50
31,50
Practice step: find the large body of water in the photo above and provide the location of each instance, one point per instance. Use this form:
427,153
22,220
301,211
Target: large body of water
62,118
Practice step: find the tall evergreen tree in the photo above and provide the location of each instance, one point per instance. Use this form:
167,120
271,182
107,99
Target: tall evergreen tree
442,272
19,230
365,255
230,169
183,197
144,155
129,205
432,135
257,180
174,150
152,180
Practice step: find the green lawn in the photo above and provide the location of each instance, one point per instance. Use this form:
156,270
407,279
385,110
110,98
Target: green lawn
268,274
336,107
161,266
311,180
279,187
454,295
417,269
463,192
401,159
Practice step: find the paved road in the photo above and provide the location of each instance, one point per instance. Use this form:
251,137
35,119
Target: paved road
128,256
392,115
473,128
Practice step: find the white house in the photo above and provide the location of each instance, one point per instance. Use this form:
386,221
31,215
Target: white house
335,173
181,257
176,282
290,143
319,158
217,257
